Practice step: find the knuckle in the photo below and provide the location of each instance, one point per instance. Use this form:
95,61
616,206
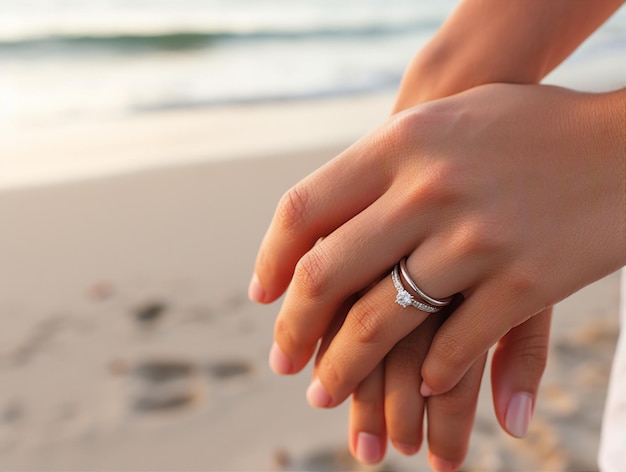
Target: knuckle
523,283
293,208
532,352
396,132
460,400
312,274
425,189
420,120
402,129
534,360
366,322
435,187
331,377
445,364
479,237
285,337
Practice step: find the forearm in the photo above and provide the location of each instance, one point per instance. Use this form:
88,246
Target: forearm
511,41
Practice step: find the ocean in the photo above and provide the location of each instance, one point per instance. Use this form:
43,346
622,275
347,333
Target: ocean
65,60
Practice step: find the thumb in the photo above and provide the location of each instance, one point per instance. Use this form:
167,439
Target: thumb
518,364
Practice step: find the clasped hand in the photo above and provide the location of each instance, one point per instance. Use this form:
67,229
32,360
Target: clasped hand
500,196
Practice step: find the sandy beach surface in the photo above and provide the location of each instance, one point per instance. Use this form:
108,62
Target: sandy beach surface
126,339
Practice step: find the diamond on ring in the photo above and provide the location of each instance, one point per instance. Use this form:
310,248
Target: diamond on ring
404,298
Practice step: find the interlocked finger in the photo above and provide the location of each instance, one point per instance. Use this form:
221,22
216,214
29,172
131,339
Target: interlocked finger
372,327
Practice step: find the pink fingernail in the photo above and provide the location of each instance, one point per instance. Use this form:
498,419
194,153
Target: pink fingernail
425,390
368,448
255,290
317,395
441,465
519,413
279,362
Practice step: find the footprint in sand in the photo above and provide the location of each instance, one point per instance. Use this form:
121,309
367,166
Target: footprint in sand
169,385
329,459
149,313
166,385
12,413
229,369
230,376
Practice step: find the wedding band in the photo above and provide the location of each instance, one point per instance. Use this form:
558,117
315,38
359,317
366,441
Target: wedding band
440,302
404,298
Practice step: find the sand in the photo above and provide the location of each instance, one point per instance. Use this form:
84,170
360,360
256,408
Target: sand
126,339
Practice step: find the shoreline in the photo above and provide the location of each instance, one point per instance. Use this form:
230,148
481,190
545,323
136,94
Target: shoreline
70,152
40,155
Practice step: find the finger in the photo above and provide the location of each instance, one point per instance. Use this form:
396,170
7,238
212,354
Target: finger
368,436
333,328
448,263
314,208
404,405
357,254
373,326
517,366
488,314
450,420
349,259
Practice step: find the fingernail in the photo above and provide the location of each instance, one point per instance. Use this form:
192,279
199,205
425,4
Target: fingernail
519,413
368,448
317,395
279,362
441,465
425,390
407,449
255,290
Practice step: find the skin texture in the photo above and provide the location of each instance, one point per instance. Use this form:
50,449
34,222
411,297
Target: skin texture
521,349
489,41
509,47
512,235
490,235
519,43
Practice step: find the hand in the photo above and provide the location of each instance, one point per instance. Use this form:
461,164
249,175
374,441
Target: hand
387,403
494,193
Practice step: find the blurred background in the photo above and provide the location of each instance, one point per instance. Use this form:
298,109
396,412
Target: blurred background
143,146
79,59
92,58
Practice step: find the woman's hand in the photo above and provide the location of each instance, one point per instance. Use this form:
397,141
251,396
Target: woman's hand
388,403
510,195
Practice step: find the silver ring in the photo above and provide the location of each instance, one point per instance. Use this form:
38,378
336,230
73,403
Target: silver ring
440,302
404,298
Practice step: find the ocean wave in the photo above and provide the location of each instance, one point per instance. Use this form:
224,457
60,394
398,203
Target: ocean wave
131,42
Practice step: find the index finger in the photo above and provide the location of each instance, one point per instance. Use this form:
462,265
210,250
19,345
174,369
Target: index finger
315,207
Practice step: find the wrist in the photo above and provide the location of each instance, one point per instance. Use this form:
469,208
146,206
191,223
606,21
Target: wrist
426,77
452,63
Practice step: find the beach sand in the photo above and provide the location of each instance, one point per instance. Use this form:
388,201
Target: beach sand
126,339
